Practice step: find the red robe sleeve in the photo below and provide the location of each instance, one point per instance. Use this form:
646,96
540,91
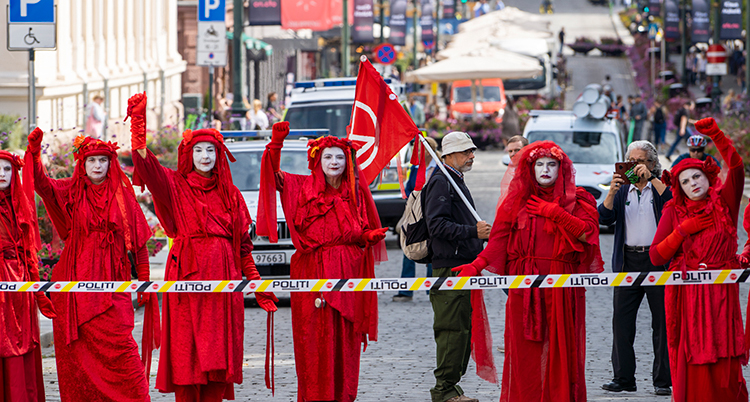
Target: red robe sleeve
665,228
52,192
731,191
159,181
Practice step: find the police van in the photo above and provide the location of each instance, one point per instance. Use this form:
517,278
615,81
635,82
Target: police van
327,104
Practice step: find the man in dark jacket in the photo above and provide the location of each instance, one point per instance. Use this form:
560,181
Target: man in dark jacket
455,239
635,209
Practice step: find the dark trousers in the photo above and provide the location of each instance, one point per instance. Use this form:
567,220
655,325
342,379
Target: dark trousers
626,302
452,327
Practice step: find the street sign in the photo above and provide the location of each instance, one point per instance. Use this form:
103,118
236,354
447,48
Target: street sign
212,10
384,53
717,60
212,44
653,30
31,25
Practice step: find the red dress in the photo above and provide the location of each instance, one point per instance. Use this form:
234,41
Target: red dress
545,329
704,322
326,226
202,334
20,353
97,357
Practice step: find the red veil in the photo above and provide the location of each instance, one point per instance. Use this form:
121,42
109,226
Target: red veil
22,198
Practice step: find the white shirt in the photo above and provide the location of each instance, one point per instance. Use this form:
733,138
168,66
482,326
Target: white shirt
640,221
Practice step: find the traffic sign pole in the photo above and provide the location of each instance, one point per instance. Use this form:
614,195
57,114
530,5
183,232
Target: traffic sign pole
32,92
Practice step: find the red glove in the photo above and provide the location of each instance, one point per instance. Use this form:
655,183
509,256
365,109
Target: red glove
744,259
694,225
707,127
372,237
142,270
137,113
279,131
35,143
45,305
553,210
472,269
265,300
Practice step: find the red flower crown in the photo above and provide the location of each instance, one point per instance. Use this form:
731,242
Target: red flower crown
84,146
14,159
553,152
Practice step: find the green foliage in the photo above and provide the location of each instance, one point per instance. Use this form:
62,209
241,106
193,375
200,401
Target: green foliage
11,132
164,143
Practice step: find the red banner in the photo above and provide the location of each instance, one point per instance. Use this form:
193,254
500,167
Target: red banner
379,122
318,15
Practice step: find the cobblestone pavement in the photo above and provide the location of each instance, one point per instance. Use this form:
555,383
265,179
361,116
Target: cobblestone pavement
400,364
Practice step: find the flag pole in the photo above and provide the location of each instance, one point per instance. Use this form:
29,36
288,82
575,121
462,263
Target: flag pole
450,179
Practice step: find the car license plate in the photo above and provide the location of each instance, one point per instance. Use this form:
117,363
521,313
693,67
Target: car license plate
269,258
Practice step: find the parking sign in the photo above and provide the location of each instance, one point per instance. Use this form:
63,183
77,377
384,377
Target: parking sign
31,25
211,10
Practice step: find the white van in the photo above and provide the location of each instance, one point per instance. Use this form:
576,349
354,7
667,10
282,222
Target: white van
544,51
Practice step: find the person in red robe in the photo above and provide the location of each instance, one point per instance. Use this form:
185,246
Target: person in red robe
206,215
698,231
336,233
20,352
100,221
545,225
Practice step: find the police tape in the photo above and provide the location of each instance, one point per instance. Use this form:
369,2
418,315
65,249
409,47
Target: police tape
622,279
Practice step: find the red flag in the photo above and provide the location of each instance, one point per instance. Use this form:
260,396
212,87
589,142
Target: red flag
379,122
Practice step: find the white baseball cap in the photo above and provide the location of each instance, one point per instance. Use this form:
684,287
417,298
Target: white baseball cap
457,141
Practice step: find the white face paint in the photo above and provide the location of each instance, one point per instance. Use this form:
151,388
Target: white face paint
694,184
97,168
333,161
204,156
6,174
545,170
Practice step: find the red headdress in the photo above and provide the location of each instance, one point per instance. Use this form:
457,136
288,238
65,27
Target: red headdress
672,177
314,151
22,200
524,184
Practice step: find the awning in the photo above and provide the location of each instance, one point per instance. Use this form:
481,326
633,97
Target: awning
252,43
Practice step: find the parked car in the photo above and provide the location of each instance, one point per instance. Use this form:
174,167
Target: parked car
593,145
327,104
490,96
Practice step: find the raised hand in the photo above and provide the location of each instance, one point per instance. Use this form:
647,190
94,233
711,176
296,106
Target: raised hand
707,127
279,131
35,141
137,106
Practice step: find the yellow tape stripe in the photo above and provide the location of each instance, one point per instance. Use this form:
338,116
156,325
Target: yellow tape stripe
220,286
417,284
722,276
319,285
517,282
362,284
560,282
264,285
461,282
122,287
619,278
664,277
69,286
25,286
166,286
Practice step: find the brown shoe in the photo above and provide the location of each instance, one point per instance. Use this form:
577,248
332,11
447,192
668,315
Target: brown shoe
462,398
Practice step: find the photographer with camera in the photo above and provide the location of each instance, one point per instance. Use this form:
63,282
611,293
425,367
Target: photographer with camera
634,205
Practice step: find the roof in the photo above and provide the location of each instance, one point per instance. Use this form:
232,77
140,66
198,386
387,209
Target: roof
565,120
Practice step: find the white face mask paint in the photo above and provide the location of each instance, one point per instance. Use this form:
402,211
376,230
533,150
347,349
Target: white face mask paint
546,170
333,161
6,174
204,156
694,184
97,168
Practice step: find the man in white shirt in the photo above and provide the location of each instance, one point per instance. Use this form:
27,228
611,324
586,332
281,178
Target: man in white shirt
635,209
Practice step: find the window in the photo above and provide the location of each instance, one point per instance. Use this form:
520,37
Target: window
463,94
246,171
582,146
333,117
537,82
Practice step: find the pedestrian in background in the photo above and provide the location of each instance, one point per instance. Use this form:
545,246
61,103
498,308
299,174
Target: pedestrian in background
696,149
96,117
510,124
561,38
681,121
638,113
272,108
256,117
456,239
698,231
545,226
659,122
408,267
635,210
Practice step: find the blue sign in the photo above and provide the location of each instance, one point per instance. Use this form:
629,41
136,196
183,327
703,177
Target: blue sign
32,11
211,10
653,29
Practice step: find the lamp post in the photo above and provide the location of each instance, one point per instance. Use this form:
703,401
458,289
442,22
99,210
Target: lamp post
683,45
345,71
414,25
238,108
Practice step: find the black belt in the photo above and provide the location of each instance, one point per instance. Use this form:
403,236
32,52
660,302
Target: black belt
636,249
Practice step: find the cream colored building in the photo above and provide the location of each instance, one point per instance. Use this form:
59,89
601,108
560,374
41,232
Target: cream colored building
113,48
